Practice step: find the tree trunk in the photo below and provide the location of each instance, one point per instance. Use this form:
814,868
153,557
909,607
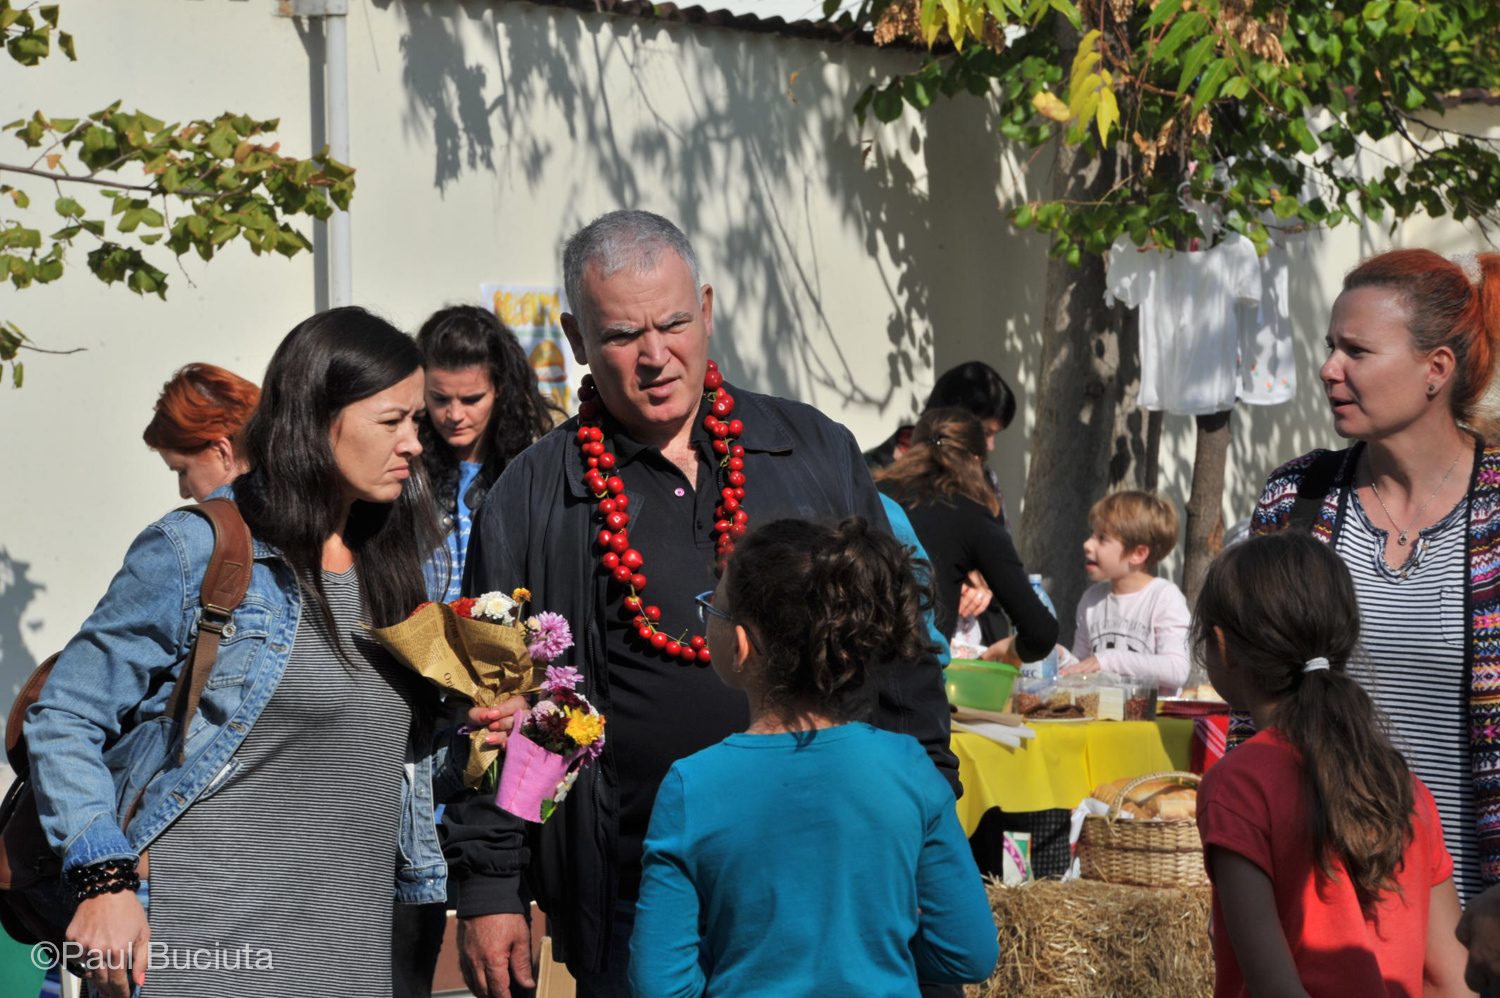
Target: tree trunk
1205,518
1089,434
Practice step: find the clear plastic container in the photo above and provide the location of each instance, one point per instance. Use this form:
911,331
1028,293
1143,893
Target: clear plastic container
1140,702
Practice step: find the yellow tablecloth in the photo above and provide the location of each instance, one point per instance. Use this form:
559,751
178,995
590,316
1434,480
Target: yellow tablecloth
1177,739
1056,769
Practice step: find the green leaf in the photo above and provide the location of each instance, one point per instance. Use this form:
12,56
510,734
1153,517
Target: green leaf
1194,61
1164,9
1190,25
887,104
1067,10
1303,134
68,208
1237,88
1208,88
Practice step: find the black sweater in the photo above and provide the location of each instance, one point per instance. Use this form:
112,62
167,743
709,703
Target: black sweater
960,535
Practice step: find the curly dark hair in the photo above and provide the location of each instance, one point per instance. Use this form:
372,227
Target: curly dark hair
468,336
828,606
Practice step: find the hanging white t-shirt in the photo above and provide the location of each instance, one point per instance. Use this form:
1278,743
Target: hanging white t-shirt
1189,327
1268,370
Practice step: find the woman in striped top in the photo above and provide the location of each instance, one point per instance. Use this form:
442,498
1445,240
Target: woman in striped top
299,803
1413,509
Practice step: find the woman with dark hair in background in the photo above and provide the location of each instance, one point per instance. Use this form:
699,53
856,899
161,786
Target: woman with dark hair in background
975,387
299,802
198,425
483,408
940,483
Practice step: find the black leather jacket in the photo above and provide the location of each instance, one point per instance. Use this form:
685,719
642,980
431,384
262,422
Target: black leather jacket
536,529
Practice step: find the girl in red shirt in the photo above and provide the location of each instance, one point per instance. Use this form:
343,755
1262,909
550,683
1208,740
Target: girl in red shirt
1326,855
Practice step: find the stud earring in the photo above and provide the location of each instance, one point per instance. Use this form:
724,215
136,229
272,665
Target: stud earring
1431,390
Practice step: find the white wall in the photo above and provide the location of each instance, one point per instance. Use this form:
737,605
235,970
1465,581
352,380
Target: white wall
484,134
850,261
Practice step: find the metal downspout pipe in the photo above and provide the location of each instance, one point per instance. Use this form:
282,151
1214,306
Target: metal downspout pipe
340,239
338,264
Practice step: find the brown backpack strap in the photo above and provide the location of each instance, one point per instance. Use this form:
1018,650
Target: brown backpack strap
15,746
225,583
224,586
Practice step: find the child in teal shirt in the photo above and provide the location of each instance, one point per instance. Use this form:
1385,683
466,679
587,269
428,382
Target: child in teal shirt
812,854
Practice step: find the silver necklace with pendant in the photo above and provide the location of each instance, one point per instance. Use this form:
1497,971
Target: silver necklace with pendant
1403,533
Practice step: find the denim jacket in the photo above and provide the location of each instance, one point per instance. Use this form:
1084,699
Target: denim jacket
99,732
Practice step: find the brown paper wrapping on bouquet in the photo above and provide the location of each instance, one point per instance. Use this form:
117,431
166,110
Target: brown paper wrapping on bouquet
480,660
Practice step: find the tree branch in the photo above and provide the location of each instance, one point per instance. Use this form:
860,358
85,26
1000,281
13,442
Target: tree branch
27,345
67,178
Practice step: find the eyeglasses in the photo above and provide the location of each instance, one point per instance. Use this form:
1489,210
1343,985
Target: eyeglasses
706,609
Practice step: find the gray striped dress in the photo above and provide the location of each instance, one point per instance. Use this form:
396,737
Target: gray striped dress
1412,632
291,862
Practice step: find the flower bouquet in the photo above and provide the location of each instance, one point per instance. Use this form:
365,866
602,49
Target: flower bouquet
550,744
481,649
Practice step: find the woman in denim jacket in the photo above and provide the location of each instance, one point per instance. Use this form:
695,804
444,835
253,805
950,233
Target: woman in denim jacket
301,800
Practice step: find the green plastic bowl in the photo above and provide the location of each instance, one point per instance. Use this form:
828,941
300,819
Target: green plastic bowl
981,685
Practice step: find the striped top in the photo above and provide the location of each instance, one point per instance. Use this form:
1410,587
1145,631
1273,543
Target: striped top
1412,633
290,861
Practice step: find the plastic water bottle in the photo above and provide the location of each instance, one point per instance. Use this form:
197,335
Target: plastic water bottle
1045,669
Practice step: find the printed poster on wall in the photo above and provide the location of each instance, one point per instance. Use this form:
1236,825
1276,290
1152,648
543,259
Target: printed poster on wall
534,313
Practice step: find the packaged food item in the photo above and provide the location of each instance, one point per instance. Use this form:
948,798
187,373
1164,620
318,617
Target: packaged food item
1082,692
1070,698
1111,702
1026,697
1140,702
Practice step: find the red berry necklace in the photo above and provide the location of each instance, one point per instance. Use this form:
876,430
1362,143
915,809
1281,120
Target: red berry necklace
623,562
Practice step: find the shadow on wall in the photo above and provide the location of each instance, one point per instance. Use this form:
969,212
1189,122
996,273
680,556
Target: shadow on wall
766,156
17,590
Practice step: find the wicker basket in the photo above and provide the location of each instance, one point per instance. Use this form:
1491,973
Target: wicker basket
1149,853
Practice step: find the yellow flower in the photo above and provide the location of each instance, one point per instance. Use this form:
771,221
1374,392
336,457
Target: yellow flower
584,729
521,595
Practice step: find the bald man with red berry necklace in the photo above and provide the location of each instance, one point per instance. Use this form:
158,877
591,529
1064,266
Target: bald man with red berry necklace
618,519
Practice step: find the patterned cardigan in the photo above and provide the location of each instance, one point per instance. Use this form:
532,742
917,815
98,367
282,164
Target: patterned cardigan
1481,603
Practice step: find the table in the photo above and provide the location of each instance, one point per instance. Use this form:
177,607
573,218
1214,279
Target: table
1058,768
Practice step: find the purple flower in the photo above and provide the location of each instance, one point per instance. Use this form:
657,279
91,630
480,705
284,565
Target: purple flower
550,637
562,677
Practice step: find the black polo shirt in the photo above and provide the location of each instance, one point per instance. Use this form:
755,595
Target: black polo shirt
660,709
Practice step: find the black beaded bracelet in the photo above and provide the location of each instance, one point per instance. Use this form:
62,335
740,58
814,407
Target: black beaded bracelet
109,877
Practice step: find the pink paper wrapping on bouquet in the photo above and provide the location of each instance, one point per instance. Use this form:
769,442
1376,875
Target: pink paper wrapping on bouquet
529,776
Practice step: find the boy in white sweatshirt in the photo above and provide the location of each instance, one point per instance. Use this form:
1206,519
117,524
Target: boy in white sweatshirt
1130,623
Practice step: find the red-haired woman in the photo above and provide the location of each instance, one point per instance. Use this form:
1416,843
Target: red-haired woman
196,429
1413,509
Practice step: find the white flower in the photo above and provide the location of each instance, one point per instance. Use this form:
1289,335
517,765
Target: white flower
496,606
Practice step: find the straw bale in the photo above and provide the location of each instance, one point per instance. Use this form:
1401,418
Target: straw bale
1083,937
